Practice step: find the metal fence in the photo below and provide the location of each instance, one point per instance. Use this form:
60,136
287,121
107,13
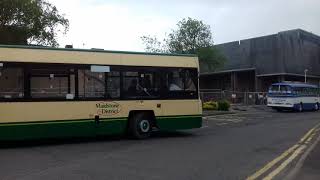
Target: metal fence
235,97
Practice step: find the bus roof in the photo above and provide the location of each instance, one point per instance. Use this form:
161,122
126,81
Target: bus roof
93,50
295,84
40,54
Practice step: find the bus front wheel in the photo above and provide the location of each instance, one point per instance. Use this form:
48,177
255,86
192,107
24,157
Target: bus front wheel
316,107
140,126
300,107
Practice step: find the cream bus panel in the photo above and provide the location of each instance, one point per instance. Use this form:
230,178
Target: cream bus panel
180,107
55,111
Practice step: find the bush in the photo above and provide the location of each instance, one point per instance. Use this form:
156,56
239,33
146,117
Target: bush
210,105
223,105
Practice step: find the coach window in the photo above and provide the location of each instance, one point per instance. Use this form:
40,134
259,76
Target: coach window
305,91
285,89
297,91
51,81
11,82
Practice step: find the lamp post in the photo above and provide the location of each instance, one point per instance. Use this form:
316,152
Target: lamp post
305,75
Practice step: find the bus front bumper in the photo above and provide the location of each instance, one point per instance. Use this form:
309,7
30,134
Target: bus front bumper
286,105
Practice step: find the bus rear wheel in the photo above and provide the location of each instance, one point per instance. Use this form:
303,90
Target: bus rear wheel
316,107
140,126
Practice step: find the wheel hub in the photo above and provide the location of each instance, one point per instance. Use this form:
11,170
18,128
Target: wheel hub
144,126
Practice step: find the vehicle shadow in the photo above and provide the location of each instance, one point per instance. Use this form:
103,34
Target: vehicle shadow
297,112
59,141
88,140
172,134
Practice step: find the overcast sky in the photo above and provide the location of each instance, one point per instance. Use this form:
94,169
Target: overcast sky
119,24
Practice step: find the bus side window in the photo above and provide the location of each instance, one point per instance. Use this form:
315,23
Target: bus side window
142,83
191,78
175,80
181,83
113,85
11,80
51,82
91,84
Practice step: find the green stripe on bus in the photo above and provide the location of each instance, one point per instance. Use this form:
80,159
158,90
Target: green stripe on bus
83,128
179,122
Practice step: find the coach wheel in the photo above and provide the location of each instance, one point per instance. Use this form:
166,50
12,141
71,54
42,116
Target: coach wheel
140,126
300,107
316,107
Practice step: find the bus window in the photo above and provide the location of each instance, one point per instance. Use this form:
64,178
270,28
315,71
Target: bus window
50,82
11,80
274,88
190,82
175,80
285,89
141,83
113,85
298,90
91,84
182,83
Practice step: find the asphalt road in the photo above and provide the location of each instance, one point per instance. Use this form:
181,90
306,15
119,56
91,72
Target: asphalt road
231,146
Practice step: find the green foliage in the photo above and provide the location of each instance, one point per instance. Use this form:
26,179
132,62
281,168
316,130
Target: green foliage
191,37
210,59
210,105
35,20
152,44
223,105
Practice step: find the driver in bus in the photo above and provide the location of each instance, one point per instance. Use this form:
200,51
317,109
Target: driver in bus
132,90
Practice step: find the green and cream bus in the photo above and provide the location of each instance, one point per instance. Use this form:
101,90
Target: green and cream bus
61,92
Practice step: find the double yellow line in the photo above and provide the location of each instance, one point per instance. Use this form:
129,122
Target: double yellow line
294,151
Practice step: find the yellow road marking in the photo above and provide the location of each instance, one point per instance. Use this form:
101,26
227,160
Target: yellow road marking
272,163
306,136
285,163
310,138
294,148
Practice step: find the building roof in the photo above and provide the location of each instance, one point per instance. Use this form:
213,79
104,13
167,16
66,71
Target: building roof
286,52
227,71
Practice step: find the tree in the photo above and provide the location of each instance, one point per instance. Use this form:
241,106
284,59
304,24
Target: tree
30,21
191,37
211,59
152,44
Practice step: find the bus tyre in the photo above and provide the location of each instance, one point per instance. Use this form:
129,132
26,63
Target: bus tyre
140,126
316,107
300,107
